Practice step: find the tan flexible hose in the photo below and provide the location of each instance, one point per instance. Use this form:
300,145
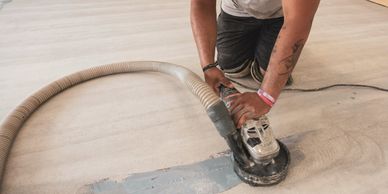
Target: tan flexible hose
11,125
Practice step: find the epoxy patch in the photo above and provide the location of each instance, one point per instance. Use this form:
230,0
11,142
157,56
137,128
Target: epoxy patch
211,176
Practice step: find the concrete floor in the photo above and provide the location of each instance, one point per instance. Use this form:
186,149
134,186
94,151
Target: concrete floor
134,123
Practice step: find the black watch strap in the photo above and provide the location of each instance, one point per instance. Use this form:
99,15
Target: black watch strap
211,65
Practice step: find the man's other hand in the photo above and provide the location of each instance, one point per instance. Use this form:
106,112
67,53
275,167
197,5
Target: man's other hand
214,77
247,106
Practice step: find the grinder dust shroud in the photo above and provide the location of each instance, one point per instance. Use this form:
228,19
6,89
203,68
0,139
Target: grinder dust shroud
265,174
253,174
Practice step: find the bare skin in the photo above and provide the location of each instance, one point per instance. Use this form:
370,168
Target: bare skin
298,17
203,22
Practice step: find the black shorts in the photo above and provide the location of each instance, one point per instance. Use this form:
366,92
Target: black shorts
243,40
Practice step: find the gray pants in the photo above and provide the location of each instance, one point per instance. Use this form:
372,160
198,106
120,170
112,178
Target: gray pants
245,43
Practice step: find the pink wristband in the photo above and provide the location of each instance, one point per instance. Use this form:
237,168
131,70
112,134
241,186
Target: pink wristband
266,101
267,98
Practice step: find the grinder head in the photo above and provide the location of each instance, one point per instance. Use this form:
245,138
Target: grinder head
259,140
265,174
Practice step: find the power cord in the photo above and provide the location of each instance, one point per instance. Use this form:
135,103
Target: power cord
317,89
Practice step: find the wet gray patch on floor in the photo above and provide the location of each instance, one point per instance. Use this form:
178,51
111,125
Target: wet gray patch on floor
211,176
2,2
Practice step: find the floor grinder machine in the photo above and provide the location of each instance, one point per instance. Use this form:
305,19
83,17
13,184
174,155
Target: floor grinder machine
259,159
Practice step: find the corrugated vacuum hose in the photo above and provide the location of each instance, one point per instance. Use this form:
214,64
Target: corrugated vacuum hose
11,125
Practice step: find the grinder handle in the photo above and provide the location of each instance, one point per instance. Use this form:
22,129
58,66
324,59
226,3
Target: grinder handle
227,94
226,91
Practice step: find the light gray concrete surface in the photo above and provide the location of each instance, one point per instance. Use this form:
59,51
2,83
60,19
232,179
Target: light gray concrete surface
136,123
3,2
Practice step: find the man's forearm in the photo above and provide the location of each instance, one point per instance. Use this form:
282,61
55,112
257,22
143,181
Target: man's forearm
203,22
289,45
284,56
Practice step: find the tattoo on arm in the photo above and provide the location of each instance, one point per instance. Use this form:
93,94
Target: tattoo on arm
274,49
275,46
290,61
